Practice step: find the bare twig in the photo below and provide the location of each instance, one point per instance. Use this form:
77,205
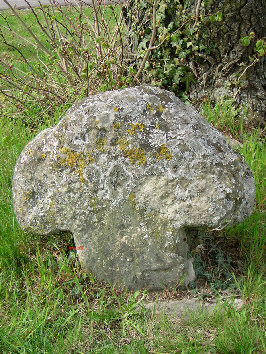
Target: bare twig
28,29
197,12
136,77
243,73
19,51
37,19
97,30
65,63
19,36
249,66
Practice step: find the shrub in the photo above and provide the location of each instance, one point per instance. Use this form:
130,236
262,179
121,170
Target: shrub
53,55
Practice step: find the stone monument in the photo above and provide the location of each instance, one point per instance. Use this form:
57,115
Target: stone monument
128,173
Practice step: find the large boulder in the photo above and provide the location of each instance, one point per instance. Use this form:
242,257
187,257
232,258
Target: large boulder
129,172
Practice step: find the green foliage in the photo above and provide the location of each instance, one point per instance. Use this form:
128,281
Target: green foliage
259,44
218,273
178,44
260,47
245,41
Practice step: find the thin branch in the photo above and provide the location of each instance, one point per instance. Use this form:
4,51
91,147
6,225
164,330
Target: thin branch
62,60
19,51
28,29
95,13
12,97
243,73
47,23
37,19
197,12
150,44
249,66
18,35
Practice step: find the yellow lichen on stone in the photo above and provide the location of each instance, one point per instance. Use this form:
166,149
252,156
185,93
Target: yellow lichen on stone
27,196
72,159
93,204
61,160
157,126
123,144
134,127
155,108
115,109
80,173
100,144
136,155
43,156
51,208
161,108
116,126
75,160
132,200
89,157
81,165
164,153
148,106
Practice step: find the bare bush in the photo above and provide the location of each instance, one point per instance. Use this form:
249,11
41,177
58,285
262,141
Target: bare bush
65,53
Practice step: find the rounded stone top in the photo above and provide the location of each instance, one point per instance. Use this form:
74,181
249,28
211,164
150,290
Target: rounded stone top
140,144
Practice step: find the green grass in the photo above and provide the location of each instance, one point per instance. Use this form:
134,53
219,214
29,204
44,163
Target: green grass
47,305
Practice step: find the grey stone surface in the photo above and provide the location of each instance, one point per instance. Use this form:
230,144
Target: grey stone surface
128,172
183,307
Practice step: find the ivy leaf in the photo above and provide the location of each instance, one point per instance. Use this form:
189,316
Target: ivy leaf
175,40
245,41
212,18
260,52
219,16
259,44
182,55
